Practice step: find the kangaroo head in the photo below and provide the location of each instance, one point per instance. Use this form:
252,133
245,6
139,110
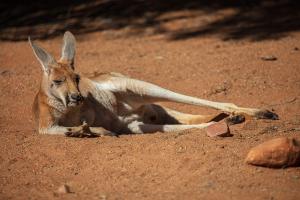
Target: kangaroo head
59,79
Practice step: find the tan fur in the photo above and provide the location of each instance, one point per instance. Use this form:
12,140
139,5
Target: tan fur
111,103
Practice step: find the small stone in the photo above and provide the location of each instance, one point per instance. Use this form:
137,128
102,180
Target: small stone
63,189
181,149
218,129
276,153
4,72
269,58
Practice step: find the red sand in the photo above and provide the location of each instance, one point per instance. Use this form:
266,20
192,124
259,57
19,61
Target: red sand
187,165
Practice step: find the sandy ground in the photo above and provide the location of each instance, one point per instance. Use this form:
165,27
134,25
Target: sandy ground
187,165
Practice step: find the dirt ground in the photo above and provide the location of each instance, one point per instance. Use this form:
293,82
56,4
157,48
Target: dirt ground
186,165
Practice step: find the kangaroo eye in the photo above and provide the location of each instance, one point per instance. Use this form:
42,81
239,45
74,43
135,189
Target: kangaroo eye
59,81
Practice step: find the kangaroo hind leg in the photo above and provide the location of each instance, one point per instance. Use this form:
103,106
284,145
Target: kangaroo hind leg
144,92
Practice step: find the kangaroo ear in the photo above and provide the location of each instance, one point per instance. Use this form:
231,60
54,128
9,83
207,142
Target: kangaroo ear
43,56
68,49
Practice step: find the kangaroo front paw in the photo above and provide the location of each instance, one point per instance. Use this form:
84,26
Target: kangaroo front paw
81,131
266,114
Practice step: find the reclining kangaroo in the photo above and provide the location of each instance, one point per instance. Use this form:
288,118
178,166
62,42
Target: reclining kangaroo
111,103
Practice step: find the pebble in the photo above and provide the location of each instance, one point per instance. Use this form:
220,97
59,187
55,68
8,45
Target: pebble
63,189
276,153
4,72
220,129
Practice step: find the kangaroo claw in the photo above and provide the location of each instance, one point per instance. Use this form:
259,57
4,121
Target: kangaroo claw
266,114
81,131
236,119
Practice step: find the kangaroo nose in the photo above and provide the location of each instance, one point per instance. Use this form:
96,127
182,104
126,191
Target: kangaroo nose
76,96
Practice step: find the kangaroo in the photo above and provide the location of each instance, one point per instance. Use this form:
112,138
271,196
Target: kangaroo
111,103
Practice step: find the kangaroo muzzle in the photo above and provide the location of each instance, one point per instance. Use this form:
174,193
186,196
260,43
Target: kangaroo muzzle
74,99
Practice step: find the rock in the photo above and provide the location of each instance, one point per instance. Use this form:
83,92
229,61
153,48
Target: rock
218,129
276,153
63,189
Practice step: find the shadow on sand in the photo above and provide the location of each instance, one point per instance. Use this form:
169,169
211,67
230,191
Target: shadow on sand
233,19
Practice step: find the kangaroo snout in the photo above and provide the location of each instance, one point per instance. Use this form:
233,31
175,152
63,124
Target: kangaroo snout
74,99
76,96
